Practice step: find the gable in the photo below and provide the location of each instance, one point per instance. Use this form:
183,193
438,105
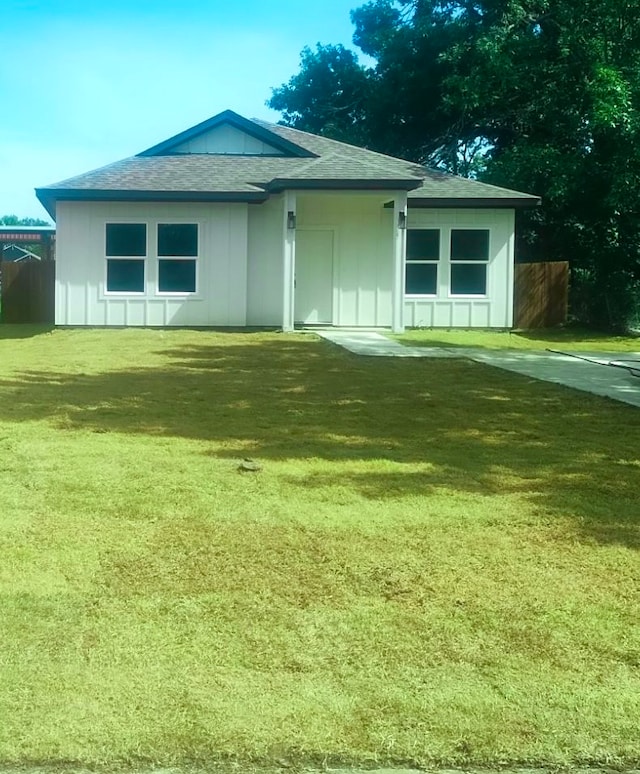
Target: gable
227,139
228,134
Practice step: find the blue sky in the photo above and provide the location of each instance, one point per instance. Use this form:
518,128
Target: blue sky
87,82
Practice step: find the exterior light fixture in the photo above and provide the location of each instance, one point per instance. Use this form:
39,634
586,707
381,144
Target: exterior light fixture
402,219
291,220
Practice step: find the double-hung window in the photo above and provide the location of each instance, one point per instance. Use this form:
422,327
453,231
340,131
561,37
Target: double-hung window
469,261
126,249
421,267
177,257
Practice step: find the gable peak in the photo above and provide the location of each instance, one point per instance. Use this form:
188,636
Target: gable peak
228,133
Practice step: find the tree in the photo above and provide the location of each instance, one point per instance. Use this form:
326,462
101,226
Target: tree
536,95
559,81
14,220
329,96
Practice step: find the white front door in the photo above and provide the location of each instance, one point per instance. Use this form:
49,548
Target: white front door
314,277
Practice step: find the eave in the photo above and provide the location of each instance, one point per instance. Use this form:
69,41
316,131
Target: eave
277,185
517,202
49,196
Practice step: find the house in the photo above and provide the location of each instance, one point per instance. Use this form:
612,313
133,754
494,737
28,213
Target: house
18,254
27,243
244,223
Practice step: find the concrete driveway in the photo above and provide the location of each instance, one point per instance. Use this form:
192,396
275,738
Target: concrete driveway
589,375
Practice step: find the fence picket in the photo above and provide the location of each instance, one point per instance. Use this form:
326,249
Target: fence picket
27,292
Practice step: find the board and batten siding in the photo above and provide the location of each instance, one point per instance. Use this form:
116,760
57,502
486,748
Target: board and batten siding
240,267
493,310
227,139
363,252
221,271
265,265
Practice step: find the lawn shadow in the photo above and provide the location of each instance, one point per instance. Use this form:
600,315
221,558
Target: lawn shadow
439,424
23,331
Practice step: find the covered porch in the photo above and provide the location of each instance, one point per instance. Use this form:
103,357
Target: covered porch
343,258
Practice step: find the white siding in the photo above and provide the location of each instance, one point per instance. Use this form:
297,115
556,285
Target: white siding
363,253
240,263
227,139
265,263
81,266
495,310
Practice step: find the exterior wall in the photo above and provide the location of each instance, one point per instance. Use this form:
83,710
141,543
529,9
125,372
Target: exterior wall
240,266
221,272
363,252
493,310
227,139
265,275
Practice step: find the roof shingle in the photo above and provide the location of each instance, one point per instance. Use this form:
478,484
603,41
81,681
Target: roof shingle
328,163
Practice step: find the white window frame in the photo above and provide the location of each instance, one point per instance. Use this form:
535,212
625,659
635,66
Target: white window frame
193,258
451,263
413,262
143,258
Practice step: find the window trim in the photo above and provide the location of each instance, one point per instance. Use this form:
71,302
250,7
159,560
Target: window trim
473,262
151,265
421,261
140,258
445,263
194,258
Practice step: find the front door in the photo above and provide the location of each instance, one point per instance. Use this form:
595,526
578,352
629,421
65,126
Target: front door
314,277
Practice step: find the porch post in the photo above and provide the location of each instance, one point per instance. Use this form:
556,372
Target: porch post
289,257
399,246
511,270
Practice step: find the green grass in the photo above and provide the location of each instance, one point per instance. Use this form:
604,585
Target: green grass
556,338
438,562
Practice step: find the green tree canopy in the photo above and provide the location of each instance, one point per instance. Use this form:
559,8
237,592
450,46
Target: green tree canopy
329,96
538,95
14,220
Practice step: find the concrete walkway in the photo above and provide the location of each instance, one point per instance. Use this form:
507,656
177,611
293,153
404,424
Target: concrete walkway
593,376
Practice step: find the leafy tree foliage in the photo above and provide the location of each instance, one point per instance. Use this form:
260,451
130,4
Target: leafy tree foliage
329,96
14,220
536,95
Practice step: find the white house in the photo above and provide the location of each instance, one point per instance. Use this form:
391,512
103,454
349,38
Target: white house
243,223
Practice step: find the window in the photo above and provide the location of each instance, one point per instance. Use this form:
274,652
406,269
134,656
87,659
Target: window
125,276
421,267
126,248
469,261
176,276
177,256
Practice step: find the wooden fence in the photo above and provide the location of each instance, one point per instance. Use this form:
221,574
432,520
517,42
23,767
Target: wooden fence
541,294
27,292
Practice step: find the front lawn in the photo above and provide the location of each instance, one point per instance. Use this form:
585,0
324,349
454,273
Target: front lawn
437,563
571,339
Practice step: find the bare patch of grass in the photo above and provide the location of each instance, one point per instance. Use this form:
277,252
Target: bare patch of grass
437,563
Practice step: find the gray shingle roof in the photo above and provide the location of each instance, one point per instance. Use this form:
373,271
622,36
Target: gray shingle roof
208,172
333,165
442,186
435,184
